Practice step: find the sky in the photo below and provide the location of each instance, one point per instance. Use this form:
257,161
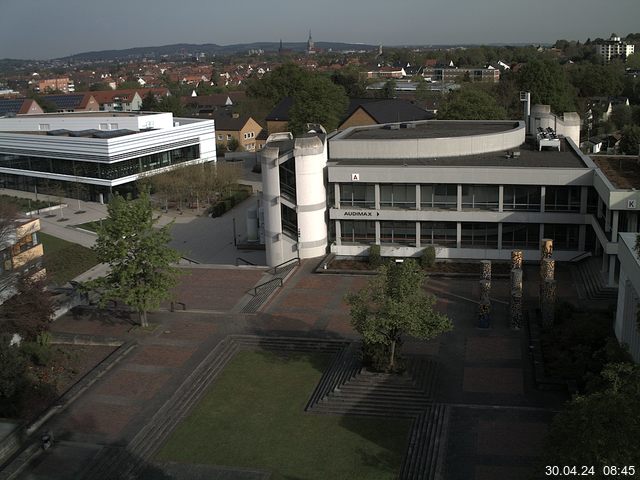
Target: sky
43,29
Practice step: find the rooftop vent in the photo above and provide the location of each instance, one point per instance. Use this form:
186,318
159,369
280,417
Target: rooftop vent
392,126
407,125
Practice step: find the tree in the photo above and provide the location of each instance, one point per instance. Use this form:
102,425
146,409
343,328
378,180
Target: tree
351,80
548,84
29,312
602,428
318,101
393,304
470,104
621,116
630,139
149,103
171,104
141,272
388,89
12,376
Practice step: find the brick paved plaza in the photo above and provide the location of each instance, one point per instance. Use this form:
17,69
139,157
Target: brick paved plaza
497,421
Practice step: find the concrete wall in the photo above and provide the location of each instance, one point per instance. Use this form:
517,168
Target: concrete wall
442,147
626,326
85,121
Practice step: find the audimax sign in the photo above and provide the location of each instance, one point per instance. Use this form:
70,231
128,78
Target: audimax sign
360,213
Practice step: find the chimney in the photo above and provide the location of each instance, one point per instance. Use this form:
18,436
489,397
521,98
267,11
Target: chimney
235,115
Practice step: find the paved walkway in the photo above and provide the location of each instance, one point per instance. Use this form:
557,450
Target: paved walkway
498,419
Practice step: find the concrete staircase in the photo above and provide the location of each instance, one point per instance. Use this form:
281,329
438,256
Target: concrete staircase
425,454
262,293
591,282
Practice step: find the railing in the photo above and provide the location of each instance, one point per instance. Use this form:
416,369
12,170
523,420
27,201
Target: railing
296,260
579,257
240,259
277,279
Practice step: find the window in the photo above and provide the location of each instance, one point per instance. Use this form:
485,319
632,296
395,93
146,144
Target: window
228,136
398,195
565,237
220,137
289,221
480,197
480,235
398,232
562,199
104,126
439,233
520,235
288,179
44,127
357,195
113,126
353,231
443,197
521,197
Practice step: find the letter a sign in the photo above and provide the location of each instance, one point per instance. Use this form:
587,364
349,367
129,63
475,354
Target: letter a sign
355,177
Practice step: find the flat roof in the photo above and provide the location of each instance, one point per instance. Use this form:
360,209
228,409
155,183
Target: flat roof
431,129
529,157
622,172
87,114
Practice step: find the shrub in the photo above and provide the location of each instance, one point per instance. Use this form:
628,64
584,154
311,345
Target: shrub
428,257
39,354
375,259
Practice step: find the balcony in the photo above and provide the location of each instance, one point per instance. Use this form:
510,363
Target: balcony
27,256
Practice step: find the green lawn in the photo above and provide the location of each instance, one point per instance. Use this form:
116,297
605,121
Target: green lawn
25,205
91,226
253,417
65,260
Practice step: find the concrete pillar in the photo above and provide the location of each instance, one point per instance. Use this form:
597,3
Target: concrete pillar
624,289
582,237
338,232
500,202
500,236
543,196
376,190
459,198
417,234
459,235
336,194
600,204
377,233
605,261
632,225
607,220
418,199
274,243
584,194
611,282
541,232
614,225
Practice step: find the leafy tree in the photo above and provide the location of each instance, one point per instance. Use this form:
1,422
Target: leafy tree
470,104
548,84
129,85
12,376
388,89
29,312
630,139
351,80
621,116
233,145
319,101
393,304
601,428
284,81
171,104
149,103
140,263
596,80
97,87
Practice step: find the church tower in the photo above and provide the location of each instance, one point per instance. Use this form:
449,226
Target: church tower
311,48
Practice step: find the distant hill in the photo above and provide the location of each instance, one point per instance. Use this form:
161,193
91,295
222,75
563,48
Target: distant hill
209,49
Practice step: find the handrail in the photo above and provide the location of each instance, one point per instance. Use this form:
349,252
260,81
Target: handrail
277,279
296,259
579,257
243,260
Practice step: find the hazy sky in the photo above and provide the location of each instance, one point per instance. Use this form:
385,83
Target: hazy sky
43,29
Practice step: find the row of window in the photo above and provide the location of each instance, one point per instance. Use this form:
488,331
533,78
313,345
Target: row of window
474,197
107,171
473,235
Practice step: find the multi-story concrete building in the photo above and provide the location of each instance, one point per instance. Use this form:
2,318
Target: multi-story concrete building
21,254
105,152
472,189
444,74
63,84
614,48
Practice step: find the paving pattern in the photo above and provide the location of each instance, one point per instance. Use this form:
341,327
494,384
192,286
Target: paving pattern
473,382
